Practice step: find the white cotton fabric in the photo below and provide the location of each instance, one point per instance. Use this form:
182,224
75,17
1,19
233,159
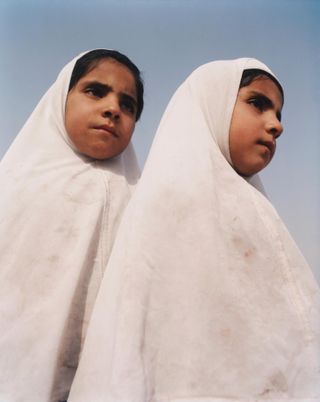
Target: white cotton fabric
59,211
206,297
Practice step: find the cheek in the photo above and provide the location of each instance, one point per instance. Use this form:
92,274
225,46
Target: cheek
129,127
75,120
238,144
235,148
234,136
68,123
72,125
70,117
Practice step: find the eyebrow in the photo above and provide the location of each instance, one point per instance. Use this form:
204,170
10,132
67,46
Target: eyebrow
268,102
105,88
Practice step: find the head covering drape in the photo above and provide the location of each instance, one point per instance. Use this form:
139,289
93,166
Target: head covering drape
206,297
59,211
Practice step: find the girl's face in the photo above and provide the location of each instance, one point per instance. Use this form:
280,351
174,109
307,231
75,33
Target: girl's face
255,126
101,110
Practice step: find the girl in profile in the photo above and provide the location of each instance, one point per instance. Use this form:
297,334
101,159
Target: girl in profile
66,180
206,297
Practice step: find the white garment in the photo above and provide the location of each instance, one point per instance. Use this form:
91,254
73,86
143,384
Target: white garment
206,297
59,211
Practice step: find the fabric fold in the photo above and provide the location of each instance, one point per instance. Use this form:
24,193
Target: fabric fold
206,297
59,212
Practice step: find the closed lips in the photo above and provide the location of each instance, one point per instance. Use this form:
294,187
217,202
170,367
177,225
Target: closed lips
108,129
269,144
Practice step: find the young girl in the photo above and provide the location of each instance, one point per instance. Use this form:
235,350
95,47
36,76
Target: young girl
206,297
65,181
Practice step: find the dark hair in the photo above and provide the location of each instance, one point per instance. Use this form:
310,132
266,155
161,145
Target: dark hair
252,74
89,60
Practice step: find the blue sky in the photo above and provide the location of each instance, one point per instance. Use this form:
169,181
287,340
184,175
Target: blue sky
167,39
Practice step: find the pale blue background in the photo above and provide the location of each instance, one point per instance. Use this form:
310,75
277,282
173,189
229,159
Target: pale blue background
167,39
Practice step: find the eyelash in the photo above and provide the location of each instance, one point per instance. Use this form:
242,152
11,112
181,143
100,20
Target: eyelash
257,103
261,105
127,105
95,91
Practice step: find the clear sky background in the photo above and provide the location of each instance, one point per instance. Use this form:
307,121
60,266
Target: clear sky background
168,39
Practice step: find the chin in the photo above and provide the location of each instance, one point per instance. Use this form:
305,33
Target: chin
252,170
101,153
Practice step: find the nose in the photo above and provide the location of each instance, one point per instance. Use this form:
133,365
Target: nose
111,108
275,127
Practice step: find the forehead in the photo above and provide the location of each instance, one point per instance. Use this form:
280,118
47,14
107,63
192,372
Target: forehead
112,73
265,86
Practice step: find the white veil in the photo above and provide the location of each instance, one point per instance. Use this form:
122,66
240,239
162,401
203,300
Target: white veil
58,215
206,297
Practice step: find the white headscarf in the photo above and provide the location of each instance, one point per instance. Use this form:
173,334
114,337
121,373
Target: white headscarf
59,211
206,297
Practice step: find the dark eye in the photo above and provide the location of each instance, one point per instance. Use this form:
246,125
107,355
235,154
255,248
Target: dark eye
95,91
128,105
257,103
